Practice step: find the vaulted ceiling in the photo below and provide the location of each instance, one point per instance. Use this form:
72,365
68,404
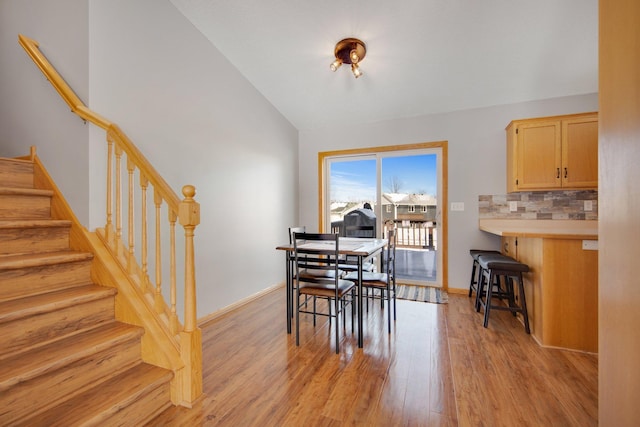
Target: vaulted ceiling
423,56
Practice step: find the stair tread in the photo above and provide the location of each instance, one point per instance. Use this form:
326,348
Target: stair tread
99,403
22,367
42,303
8,262
34,223
25,191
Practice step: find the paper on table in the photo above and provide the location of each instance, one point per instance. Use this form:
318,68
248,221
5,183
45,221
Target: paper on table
349,246
317,245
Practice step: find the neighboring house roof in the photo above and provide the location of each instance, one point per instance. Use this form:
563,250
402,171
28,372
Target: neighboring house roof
408,199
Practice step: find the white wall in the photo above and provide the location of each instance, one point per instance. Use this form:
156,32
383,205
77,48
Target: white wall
477,162
199,122
142,65
31,111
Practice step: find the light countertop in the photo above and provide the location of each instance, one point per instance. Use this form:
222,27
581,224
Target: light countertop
558,229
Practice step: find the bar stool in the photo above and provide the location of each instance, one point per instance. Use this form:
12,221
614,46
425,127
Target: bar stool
476,271
496,266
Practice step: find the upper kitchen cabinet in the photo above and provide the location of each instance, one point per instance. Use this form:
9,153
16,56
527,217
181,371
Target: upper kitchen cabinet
548,153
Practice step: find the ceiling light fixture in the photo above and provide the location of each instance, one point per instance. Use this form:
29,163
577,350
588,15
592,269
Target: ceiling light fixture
349,51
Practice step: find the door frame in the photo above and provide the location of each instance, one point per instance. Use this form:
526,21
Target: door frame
442,145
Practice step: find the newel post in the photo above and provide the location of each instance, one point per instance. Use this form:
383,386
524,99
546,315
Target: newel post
191,336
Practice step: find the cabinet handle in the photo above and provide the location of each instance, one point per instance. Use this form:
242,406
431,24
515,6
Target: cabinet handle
506,247
558,173
565,172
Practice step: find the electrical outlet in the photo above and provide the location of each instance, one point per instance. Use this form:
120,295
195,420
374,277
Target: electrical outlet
590,245
588,205
513,206
457,206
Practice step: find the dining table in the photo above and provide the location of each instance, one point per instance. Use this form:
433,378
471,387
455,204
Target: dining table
360,249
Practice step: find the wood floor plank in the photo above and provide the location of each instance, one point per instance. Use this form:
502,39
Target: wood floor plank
438,367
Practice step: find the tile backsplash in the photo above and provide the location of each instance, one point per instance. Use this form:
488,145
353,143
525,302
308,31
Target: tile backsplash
569,204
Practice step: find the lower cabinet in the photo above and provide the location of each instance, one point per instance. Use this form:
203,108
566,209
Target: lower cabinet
561,290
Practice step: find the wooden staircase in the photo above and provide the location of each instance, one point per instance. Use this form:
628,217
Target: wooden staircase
64,359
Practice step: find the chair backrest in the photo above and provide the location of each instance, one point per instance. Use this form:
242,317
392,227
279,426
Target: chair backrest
300,229
391,252
317,252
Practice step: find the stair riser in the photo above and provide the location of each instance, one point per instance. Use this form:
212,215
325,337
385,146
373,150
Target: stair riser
23,334
32,240
36,280
30,398
16,174
15,206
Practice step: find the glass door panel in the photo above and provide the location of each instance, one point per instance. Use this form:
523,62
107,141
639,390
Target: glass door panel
352,187
409,199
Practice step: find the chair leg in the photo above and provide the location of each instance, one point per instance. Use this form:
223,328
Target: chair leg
394,300
297,315
473,278
523,304
353,310
487,306
337,326
479,291
511,296
388,291
314,311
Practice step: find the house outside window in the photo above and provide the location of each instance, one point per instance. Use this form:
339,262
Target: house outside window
411,208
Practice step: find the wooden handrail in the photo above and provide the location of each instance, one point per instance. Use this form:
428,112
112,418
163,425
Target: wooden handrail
187,385
79,108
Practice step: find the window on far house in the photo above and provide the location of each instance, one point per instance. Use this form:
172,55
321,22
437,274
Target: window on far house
411,209
388,208
423,209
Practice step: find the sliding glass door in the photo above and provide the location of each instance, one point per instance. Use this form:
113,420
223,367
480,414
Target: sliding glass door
403,187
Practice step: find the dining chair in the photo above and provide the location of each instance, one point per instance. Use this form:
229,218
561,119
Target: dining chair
384,282
308,272
319,252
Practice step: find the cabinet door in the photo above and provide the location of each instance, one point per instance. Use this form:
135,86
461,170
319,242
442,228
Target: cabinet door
539,154
580,152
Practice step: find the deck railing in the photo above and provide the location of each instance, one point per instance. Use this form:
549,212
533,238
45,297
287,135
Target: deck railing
410,234
159,317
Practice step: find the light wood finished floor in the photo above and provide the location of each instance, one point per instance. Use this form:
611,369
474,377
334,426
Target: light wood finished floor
439,367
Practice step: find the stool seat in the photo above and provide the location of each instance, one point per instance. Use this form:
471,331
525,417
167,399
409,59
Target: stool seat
476,270
493,267
475,253
501,262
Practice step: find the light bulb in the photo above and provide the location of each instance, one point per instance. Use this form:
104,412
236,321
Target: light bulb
335,65
354,56
356,70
